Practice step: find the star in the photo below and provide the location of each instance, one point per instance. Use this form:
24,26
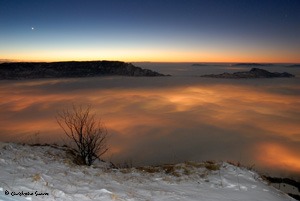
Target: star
32,28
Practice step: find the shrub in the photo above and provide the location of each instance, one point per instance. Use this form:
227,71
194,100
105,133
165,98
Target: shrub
89,135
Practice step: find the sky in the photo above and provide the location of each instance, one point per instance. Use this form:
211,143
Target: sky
156,31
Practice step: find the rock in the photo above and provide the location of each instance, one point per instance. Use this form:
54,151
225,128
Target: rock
253,73
73,69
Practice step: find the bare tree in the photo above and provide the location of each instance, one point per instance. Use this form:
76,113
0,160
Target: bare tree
89,135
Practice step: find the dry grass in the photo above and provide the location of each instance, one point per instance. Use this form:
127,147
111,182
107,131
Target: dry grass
36,177
114,197
39,145
194,164
186,171
71,154
85,172
149,169
169,169
265,179
238,164
126,171
107,170
98,174
188,168
212,166
67,161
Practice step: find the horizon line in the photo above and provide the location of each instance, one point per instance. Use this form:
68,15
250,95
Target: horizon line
53,61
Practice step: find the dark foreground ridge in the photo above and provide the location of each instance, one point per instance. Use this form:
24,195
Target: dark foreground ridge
22,70
253,73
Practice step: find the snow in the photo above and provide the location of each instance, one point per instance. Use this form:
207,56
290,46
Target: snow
46,173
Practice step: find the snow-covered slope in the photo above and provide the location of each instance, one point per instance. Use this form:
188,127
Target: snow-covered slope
48,174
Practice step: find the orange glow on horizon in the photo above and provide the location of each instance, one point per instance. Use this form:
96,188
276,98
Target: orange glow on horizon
154,55
279,156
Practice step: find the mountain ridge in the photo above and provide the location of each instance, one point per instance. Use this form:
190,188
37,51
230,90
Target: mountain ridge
253,73
71,69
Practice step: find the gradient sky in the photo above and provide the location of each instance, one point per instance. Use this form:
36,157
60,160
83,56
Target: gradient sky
164,30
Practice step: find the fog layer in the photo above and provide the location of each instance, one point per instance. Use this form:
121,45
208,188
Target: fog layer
167,119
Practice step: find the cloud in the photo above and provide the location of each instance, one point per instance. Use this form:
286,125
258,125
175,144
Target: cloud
162,120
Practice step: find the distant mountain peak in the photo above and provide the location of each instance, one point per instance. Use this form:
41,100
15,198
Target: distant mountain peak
253,73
